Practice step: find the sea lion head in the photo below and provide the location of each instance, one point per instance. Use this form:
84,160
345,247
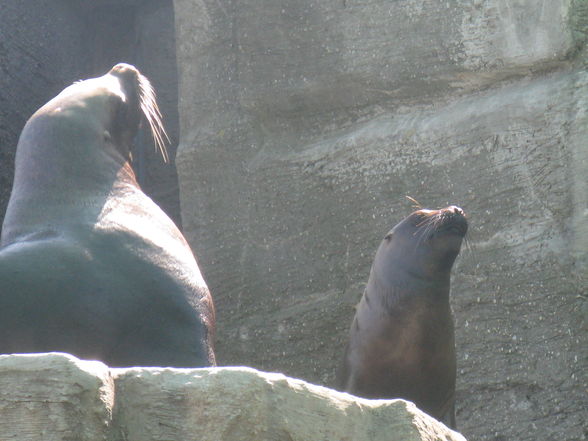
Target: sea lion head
427,242
75,150
85,134
110,108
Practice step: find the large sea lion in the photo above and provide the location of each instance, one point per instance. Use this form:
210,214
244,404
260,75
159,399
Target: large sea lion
401,341
89,264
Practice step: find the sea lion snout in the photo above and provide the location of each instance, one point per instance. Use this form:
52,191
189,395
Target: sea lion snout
454,220
455,210
140,102
124,68
129,75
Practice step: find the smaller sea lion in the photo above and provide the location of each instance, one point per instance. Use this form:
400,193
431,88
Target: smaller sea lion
401,341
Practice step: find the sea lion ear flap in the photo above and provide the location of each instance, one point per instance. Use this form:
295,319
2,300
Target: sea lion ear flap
388,237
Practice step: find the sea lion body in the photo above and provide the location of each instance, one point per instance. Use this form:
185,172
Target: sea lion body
89,264
401,341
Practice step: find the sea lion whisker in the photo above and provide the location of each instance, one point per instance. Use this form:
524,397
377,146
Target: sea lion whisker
159,134
468,244
438,221
424,222
426,226
152,114
470,249
431,226
421,231
416,204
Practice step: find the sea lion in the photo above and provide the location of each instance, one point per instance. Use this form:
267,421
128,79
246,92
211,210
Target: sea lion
89,264
401,341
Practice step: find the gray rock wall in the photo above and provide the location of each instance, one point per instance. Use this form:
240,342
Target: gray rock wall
60,398
303,126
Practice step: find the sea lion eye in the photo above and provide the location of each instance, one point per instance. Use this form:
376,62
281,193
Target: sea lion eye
107,136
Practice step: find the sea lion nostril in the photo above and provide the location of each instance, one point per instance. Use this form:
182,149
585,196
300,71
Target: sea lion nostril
124,68
453,211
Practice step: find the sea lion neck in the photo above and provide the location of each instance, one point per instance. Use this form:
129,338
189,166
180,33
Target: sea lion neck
70,150
74,183
404,286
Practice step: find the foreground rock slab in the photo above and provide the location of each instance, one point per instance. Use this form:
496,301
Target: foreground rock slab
54,397
58,397
245,404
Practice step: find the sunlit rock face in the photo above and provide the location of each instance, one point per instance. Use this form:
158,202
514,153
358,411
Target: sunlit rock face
59,397
303,126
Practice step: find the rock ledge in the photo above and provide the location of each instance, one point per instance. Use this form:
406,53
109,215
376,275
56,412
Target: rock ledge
58,397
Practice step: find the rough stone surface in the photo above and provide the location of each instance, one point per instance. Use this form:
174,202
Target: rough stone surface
244,404
46,45
56,397
304,124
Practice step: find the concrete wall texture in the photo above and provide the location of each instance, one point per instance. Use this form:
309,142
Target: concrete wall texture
304,124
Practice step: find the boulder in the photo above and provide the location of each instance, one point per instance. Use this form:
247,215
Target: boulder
60,398
54,397
239,403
